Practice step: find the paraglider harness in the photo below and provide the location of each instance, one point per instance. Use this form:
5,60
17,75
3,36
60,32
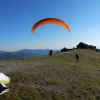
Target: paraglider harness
3,89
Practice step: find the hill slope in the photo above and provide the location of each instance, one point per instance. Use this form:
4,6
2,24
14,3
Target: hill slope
57,77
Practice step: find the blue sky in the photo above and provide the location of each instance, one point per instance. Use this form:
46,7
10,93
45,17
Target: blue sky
18,16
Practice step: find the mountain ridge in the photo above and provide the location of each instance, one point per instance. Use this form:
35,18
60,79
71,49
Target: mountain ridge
24,53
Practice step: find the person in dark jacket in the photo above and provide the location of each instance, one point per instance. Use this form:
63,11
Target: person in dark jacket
77,57
50,52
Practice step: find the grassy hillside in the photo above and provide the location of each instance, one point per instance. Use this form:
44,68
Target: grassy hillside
57,77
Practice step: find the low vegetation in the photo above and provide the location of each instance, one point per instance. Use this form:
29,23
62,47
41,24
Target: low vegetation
56,77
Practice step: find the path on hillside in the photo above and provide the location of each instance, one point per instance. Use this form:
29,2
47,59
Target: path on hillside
10,66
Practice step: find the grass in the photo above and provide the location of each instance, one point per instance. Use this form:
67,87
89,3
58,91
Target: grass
57,77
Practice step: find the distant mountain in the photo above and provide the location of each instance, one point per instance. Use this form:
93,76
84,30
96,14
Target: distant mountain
25,53
35,52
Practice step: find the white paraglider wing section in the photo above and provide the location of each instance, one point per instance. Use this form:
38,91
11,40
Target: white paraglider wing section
4,79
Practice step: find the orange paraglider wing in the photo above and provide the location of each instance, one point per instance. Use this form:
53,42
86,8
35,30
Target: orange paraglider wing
50,21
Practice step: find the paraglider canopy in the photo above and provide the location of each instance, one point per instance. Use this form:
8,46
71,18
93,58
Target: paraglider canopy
50,21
